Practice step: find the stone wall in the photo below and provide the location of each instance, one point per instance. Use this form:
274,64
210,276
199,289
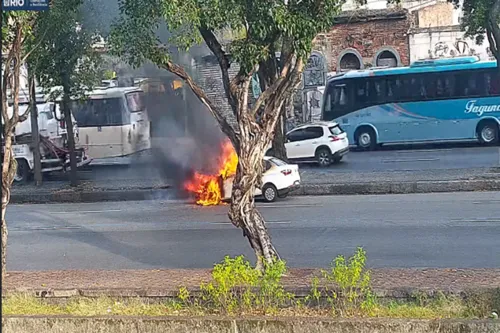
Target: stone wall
115,324
209,77
366,34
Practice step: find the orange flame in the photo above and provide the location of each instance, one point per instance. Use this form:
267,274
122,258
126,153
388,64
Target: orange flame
208,188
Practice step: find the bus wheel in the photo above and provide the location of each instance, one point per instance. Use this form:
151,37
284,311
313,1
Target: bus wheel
22,175
488,132
366,138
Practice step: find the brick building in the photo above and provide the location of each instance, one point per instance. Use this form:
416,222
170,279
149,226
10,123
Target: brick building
366,38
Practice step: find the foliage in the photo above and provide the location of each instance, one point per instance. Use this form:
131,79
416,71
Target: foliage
65,50
260,26
238,288
352,290
480,18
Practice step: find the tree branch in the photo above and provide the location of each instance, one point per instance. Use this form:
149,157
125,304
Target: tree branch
37,45
215,46
271,90
494,29
225,126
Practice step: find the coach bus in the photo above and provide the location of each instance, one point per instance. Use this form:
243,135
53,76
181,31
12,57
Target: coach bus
452,99
113,122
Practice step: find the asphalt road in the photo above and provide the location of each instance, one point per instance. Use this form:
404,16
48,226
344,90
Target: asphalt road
431,230
354,162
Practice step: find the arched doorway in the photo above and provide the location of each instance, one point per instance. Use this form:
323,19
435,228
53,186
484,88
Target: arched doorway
387,57
349,61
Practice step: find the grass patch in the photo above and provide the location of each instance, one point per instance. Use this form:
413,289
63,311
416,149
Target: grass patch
237,289
22,304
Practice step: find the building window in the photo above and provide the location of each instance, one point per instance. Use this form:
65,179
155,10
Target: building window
349,60
387,57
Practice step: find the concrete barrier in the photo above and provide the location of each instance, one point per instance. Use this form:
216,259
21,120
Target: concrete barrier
306,189
39,324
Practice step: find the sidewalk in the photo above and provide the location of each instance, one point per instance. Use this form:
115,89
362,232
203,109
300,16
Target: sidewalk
166,282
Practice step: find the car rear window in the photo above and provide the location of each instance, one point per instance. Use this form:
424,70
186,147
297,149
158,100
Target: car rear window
336,130
277,161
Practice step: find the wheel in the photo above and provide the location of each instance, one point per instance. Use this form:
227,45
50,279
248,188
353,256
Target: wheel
366,139
488,133
23,173
324,157
270,193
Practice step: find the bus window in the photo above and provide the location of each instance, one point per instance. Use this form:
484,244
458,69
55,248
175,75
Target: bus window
493,82
135,101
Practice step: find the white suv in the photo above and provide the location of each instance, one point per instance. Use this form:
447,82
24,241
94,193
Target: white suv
321,142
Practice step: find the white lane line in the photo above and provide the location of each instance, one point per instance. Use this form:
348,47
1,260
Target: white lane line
289,206
270,222
421,151
87,211
411,160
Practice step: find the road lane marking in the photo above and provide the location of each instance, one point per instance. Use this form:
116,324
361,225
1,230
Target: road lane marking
289,206
411,160
88,211
483,202
42,228
421,151
267,222
478,220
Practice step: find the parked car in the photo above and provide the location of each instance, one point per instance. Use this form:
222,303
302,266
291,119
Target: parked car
321,142
279,179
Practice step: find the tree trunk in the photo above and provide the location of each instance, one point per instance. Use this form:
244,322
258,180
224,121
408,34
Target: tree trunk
279,138
242,212
9,167
73,176
35,133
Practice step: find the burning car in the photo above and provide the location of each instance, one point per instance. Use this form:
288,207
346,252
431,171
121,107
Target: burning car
278,179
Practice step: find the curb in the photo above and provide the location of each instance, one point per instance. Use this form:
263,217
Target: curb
399,187
393,294
220,324
91,196
304,190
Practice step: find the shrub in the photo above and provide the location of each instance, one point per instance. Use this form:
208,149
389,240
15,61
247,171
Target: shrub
238,288
352,291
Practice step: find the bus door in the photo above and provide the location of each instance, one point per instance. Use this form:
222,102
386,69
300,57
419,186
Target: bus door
138,136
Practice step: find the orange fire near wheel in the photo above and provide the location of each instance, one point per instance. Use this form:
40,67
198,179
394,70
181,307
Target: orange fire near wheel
208,188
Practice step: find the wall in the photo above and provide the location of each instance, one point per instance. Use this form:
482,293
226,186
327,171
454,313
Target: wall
438,15
366,38
445,42
115,324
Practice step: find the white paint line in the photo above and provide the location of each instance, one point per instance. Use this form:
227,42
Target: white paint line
421,151
289,206
88,211
267,222
411,160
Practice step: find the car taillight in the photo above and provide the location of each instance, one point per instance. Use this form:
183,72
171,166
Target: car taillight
334,138
286,172
62,124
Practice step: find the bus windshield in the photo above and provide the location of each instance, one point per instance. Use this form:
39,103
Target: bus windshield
100,112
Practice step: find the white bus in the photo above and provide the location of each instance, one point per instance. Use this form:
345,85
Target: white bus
112,122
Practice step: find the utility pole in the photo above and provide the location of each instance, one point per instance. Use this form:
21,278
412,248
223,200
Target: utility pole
35,133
